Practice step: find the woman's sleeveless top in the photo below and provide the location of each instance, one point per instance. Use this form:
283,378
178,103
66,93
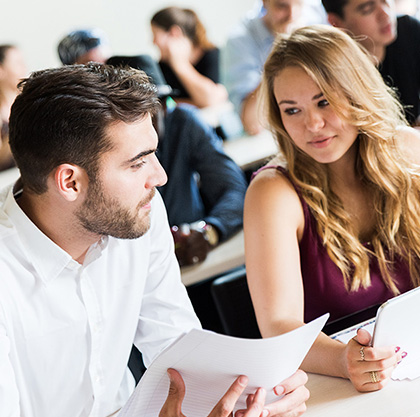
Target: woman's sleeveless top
323,282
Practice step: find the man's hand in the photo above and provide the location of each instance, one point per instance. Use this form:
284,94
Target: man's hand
191,245
224,408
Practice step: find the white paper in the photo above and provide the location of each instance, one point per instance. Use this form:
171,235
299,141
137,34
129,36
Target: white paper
209,363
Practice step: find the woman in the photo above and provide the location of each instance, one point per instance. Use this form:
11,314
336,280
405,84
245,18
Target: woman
189,61
12,70
337,229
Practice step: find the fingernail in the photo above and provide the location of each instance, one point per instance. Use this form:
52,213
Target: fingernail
397,349
279,390
404,354
265,413
243,380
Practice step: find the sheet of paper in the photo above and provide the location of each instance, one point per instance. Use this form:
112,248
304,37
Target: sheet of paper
210,362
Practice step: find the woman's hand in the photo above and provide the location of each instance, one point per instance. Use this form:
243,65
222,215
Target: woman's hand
370,368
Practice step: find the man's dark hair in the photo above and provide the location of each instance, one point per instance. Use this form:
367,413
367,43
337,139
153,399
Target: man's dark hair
335,6
61,116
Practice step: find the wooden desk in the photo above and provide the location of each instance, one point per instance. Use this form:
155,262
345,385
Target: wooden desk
224,257
250,151
336,397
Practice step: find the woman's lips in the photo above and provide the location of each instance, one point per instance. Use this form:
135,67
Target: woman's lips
321,142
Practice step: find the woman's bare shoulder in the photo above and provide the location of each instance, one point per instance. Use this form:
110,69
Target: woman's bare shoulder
410,142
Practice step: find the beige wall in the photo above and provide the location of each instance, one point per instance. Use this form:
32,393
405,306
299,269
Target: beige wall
36,26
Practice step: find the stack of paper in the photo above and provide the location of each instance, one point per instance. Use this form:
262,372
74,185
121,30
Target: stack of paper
210,362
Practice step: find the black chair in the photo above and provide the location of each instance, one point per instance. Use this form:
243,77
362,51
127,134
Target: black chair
233,302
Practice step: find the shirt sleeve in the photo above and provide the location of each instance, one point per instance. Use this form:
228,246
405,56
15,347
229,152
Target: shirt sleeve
166,310
222,182
242,68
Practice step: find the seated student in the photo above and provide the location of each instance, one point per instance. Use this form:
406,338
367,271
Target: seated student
205,191
189,61
85,246
204,214
247,49
83,46
392,41
336,229
12,70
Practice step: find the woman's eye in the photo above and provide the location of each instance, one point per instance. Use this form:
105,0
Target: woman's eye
291,111
323,103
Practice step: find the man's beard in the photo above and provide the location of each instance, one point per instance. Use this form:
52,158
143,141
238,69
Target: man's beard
105,216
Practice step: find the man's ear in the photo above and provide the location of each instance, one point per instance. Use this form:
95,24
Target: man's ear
70,181
335,20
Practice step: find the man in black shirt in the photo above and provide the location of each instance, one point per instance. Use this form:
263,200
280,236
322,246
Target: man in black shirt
392,41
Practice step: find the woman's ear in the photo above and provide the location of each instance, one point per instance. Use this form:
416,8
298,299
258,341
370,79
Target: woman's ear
70,181
176,31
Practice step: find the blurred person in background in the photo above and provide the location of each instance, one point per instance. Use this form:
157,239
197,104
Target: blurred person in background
188,60
247,49
12,70
392,42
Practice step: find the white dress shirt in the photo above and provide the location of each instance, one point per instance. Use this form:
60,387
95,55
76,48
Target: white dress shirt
66,330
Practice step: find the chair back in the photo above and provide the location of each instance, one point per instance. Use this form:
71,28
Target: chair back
233,302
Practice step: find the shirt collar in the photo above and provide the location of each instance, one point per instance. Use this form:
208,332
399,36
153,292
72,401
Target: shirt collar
48,259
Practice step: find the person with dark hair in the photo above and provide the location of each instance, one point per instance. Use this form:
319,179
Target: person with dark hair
189,61
83,46
12,70
391,40
86,255
204,204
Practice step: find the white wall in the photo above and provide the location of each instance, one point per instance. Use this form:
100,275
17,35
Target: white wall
37,26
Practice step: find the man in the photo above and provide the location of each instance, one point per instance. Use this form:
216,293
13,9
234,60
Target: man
392,41
247,49
83,46
86,255
204,204
205,192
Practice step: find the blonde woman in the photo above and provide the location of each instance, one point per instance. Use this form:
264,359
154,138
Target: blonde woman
337,229
189,61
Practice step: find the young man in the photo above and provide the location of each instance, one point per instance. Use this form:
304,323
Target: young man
86,255
247,49
392,42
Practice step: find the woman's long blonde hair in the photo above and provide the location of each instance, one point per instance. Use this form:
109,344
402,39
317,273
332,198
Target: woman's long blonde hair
357,93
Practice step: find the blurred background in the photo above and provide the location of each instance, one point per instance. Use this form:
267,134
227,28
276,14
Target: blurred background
36,27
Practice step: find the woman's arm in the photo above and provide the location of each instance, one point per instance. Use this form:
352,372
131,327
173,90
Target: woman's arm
202,90
273,226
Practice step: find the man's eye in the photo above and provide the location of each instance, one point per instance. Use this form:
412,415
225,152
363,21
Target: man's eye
139,164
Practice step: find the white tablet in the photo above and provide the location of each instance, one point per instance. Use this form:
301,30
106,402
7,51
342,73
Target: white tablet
398,321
